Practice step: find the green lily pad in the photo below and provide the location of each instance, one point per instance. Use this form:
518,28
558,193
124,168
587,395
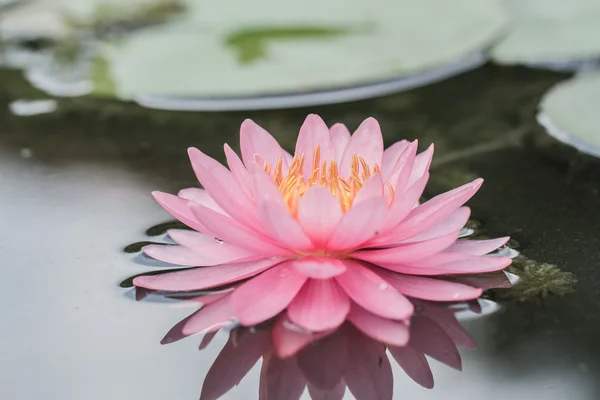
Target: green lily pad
280,48
569,112
550,31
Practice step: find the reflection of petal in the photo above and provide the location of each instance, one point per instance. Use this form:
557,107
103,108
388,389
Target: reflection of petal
207,339
385,330
369,374
427,336
415,365
233,363
289,339
324,362
446,319
337,393
216,315
280,379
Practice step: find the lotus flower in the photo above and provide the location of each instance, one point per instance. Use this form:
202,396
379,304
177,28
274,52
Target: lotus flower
335,233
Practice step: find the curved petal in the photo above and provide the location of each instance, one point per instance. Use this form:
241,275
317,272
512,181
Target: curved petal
434,211
211,317
429,338
477,247
319,306
233,363
466,265
239,171
366,143
263,186
179,209
369,373
230,231
373,293
314,132
266,295
181,255
415,364
445,317
395,333
255,140
428,288
421,165
222,187
280,379
213,250
340,137
408,252
324,362
319,267
399,177
453,222
318,213
373,187
358,225
203,278
285,230
200,196
391,156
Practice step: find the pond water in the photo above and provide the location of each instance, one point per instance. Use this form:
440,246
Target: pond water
75,187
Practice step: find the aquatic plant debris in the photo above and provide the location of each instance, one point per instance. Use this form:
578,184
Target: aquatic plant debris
333,234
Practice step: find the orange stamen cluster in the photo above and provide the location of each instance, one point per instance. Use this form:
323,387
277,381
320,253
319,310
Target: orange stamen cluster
324,173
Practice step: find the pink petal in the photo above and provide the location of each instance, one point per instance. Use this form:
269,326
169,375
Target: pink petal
177,255
399,178
337,393
421,165
233,363
395,333
266,295
200,196
280,379
369,374
340,137
428,288
211,317
222,187
466,265
263,186
256,140
314,132
477,247
239,171
408,252
435,210
288,338
415,365
230,231
428,337
373,293
358,225
400,208
318,213
206,247
325,361
319,306
367,143
446,319
319,267
203,278
285,230
179,209
391,156
452,223
373,187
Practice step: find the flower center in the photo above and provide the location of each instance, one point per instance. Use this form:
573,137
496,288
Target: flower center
324,173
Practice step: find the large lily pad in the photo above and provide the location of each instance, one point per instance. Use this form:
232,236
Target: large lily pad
551,32
569,112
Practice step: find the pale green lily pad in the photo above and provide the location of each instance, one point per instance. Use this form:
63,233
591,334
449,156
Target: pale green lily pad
274,47
550,32
569,112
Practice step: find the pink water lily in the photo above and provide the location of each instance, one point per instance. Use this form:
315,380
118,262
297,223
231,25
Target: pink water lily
335,233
